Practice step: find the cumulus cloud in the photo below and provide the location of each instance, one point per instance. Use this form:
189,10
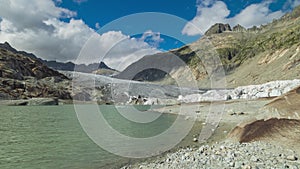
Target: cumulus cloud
133,52
255,14
210,12
31,13
43,33
152,38
115,49
206,17
40,31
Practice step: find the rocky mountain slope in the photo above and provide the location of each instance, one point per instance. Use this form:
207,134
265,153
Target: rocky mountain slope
96,68
248,56
22,76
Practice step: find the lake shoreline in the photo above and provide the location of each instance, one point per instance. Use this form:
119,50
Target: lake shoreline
235,114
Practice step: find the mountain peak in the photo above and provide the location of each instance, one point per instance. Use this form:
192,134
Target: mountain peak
8,47
218,28
239,28
6,43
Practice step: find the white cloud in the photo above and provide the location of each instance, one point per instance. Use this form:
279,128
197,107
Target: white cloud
255,14
152,38
40,31
206,17
31,13
134,52
115,49
210,12
36,26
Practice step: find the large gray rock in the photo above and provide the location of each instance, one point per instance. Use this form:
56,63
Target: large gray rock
43,101
31,87
31,102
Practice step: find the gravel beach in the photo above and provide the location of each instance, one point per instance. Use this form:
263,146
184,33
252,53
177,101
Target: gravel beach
220,151
227,155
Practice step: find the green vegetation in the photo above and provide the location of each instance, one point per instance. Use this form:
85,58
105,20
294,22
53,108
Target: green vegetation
234,48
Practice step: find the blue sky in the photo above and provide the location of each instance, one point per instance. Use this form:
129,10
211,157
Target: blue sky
99,13
103,12
87,31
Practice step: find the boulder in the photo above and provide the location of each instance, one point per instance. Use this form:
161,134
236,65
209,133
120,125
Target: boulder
31,102
43,101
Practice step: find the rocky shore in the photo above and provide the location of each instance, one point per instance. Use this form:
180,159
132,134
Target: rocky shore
227,155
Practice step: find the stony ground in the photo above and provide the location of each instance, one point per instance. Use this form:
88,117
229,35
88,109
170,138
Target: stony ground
227,155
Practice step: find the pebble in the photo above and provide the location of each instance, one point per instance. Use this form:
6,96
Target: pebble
254,159
247,167
291,158
231,164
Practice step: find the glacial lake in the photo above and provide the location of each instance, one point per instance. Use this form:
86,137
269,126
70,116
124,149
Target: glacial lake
51,137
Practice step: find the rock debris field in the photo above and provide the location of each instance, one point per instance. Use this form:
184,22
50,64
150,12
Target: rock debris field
253,155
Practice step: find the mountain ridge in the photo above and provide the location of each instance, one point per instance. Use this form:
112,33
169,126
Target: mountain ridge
255,55
67,66
22,76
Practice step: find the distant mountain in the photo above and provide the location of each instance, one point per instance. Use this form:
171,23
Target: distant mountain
101,68
8,47
218,28
248,56
17,65
91,68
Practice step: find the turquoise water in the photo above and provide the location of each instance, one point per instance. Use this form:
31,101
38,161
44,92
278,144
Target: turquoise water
51,137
